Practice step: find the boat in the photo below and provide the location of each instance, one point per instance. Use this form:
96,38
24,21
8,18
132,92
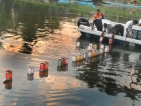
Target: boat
84,28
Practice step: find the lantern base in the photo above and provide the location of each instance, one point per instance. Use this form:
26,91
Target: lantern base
6,81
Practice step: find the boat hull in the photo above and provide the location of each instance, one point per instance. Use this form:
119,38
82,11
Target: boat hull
106,39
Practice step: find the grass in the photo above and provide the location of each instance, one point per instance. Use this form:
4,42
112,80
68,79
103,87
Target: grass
81,9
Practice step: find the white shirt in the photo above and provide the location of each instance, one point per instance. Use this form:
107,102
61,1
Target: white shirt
128,25
140,21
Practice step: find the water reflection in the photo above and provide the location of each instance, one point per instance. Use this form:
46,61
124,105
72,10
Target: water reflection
30,77
8,85
43,73
62,68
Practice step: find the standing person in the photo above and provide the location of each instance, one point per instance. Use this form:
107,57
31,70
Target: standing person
98,20
128,27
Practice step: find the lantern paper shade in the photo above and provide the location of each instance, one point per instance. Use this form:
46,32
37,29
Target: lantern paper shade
8,75
95,46
110,41
30,70
101,46
89,54
78,44
8,85
47,64
65,60
42,66
73,58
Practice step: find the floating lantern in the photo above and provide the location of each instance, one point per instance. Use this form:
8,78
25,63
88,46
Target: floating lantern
41,74
73,58
101,46
101,51
8,75
30,77
90,44
89,54
101,39
8,85
42,66
30,70
60,62
110,41
47,64
65,60
78,44
107,48
89,48
94,53
95,46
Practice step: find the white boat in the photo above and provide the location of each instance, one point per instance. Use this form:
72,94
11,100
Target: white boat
85,30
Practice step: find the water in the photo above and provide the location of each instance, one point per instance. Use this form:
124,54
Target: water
32,34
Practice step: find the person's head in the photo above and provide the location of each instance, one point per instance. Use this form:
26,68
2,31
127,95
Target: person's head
105,25
135,22
98,11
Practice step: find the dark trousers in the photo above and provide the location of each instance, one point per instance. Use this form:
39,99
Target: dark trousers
99,28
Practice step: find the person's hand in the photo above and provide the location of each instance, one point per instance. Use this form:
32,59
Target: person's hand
92,27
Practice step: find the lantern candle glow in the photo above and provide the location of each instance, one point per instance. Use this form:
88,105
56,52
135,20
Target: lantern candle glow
8,75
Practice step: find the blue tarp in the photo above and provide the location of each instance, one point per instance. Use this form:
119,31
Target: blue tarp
77,2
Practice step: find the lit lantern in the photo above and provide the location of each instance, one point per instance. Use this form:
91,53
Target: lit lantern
30,77
60,62
8,75
89,54
89,48
110,41
41,74
101,39
8,85
64,60
73,58
78,44
30,70
94,53
107,48
90,44
101,51
42,66
78,58
95,46
101,46
47,64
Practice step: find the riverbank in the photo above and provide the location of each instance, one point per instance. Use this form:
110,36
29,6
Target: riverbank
81,9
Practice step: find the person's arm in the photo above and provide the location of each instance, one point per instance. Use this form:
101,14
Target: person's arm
140,22
93,22
128,33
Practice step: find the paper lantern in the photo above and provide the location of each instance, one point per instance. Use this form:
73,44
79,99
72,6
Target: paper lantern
78,58
101,51
95,46
30,70
8,75
65,60
107,48
94,53
93,59
8,85
47,64
42,66
89,54
73,58
60,62
110,41
78,44
101,46
89,48
90,44
30,77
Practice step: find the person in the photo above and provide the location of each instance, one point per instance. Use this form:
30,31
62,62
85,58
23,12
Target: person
128,27
140,22
98,20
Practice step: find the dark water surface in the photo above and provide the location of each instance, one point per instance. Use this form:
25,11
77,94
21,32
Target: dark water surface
31,34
